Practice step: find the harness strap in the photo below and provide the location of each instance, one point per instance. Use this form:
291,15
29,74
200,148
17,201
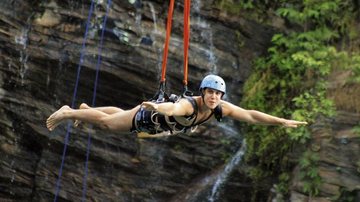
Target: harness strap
159,123
194,105
203,121
218,113
186,39
177,127
167,40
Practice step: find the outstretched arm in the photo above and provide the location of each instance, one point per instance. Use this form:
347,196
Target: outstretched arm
181,108
256,117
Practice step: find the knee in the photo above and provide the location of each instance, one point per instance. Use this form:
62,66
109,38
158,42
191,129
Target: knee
106,124
84,106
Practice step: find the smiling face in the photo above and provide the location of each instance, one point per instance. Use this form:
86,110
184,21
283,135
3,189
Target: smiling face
212,97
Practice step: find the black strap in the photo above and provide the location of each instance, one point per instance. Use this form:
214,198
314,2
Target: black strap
218,113
194,105
196,110
203,121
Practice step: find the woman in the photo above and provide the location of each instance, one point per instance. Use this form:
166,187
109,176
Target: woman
177,116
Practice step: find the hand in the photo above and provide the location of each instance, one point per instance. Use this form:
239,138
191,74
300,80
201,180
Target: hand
150,106
292,123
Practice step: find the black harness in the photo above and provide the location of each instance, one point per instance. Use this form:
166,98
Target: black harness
153,122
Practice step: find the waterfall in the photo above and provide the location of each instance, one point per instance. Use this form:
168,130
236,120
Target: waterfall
22,40
153,14
226,172
207,35
208,187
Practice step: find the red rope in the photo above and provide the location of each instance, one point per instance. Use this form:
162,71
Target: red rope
186,39
167,40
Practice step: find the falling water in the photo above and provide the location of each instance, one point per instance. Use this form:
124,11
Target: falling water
138,13
228,128
226,172
13,176
207,35
208,187
22,41
152,9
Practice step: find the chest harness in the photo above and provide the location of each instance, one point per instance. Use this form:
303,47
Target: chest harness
153,122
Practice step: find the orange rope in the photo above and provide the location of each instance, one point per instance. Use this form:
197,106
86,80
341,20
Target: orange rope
186,39
167,39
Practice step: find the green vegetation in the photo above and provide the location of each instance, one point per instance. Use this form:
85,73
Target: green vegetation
309,173
356,130
292,81
346,196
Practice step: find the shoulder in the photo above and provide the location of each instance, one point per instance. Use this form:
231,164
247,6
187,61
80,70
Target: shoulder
228,108
190,104
193,100
226,104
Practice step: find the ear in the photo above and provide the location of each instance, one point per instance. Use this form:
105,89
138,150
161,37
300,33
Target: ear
202,92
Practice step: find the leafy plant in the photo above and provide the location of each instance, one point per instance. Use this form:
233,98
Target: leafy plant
283,185
309,173
356,130
291,81
232,7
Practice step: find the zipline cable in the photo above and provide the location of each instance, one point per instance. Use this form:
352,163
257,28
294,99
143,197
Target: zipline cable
66,141
94,99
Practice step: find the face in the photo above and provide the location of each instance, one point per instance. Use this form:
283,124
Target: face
212,97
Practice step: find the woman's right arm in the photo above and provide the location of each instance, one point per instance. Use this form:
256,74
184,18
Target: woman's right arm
181,108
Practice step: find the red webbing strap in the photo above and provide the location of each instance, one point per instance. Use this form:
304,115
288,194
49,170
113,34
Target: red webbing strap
167,40
186,39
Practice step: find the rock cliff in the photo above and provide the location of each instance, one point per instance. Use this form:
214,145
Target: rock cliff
40,49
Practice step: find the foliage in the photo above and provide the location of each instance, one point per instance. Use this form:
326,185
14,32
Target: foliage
309,173
346,195
356,130
256,8
231,7
282,186
352,63
292,82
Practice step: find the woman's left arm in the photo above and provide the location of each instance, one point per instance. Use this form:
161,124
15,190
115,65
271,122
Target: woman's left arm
256,117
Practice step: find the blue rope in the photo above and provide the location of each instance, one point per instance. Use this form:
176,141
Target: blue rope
66,141
94,98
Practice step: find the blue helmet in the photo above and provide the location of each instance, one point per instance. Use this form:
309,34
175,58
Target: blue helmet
214,82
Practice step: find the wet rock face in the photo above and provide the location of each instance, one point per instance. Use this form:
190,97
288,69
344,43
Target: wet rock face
40,50
339,168
41,46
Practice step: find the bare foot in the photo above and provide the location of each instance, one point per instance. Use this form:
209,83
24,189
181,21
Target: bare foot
82,106
55,119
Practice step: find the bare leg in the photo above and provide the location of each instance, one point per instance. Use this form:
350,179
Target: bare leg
119,121
107,110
